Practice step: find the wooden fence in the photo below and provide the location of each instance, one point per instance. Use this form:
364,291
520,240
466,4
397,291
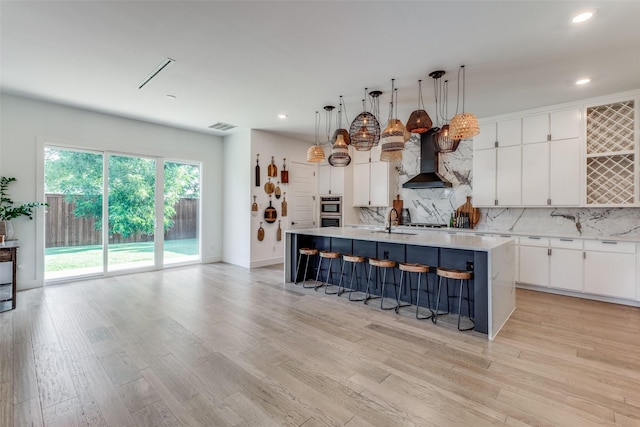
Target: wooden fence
63,228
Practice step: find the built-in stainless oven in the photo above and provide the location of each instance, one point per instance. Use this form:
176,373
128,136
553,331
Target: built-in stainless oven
330,221
331,211
331,205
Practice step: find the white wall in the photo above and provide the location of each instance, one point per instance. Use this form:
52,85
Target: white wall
25,122
237,182
270,251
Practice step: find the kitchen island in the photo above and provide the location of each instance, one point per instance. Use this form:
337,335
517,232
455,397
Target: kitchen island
492,260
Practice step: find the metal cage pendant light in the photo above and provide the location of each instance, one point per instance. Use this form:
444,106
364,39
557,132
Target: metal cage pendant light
442,139
339,151
339,129
419,121
315,153
463,125
365,128
392,138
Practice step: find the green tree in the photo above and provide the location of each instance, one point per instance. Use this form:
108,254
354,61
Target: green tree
78,175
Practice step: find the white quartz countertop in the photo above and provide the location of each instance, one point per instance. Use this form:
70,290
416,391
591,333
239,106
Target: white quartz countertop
407,237
501,233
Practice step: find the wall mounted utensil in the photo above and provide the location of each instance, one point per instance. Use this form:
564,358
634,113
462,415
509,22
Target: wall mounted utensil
257,170
284,173
260,232
283,209
279,234
272,169
278,192
254,207
269,188
270,213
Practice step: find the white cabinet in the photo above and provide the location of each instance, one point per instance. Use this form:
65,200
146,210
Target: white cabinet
331,180
565,264
551,173
561,124
509,176
484,177
610,269
373,181
534,261
497,164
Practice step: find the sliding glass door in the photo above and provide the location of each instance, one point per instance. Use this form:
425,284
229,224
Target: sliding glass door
151,208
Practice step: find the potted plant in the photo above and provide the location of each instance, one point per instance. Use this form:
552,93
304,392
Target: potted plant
9,211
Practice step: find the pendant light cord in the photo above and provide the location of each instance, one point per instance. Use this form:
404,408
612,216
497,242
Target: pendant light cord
317,128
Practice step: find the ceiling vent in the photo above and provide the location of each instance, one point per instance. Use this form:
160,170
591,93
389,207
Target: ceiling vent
221,126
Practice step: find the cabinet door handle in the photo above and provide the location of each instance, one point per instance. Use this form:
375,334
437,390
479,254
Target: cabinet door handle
549,202
549,137
608,242
534,238
566,240
549,251
584,255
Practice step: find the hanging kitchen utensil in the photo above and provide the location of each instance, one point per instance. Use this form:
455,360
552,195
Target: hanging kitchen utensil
277,191
283,209
254,207
269,187
260,232
272,170
279,235
270,213
284,173
257,170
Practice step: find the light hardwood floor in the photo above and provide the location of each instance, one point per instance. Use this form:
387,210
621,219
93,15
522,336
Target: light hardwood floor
221,345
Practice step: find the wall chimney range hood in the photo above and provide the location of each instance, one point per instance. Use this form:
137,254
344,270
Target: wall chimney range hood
428,176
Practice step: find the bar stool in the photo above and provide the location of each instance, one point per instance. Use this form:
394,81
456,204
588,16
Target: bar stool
354,260
307,252
330,256
383,264
420,269
464,277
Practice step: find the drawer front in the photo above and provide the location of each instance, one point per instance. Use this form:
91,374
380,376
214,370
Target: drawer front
566,243
534,241
610,246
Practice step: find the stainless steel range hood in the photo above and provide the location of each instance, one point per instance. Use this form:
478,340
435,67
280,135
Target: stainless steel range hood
428,176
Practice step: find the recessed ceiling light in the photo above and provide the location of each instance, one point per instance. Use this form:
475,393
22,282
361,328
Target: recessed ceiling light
171,96
583,81
282,116
582,17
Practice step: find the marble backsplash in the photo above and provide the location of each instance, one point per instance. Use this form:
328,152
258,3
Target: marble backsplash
436,205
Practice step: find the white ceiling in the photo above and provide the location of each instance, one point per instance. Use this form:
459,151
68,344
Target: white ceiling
243,62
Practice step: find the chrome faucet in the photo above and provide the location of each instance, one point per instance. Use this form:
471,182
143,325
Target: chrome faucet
390,220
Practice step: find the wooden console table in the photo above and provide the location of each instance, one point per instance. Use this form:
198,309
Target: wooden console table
8,253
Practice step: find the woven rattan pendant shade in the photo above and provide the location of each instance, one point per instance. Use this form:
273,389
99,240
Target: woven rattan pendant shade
390,156
419,122
340,153
464,126
444,142
364,131
315,154
345,136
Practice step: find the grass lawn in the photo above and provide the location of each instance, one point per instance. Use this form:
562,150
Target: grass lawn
70,258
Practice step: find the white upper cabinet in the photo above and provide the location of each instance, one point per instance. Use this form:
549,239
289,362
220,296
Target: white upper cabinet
484,177
562,124
509,132
330,180
535,174
487,137
509,176
373,180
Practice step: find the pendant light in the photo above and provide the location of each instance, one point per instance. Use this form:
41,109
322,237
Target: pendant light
339,129
339,152
419,121
315,153
392,138
442,139
365,128
405,132
463,125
